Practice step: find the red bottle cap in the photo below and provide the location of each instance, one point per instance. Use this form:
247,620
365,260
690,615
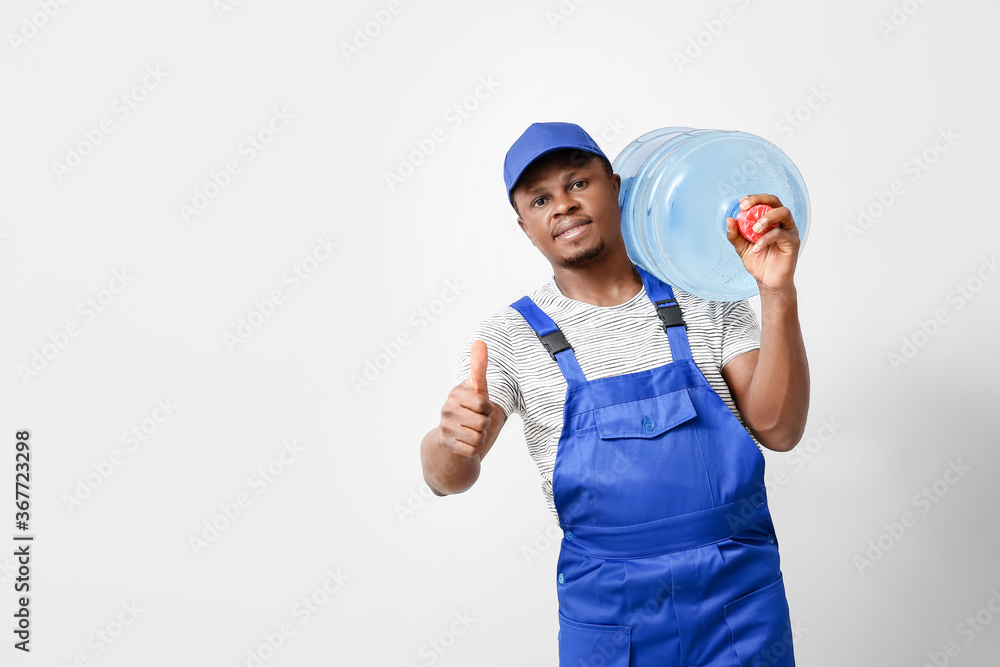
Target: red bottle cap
748,218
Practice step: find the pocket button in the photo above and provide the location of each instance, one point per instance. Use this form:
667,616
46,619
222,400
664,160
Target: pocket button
647,424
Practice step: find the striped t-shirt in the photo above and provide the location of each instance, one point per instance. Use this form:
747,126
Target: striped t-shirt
607,340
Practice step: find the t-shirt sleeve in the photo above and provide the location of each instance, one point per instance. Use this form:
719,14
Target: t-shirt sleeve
740,330
501,365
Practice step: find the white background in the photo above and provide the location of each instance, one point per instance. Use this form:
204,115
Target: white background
352,501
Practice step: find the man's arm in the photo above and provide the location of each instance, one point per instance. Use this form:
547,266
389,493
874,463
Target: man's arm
451,453
771,385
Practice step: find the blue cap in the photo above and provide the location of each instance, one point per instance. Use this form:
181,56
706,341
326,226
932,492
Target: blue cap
542,138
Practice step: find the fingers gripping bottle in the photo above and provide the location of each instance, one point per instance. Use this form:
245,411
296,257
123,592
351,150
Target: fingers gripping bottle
678,187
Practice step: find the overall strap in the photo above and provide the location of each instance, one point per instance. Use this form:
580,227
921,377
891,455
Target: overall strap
662,296
552,338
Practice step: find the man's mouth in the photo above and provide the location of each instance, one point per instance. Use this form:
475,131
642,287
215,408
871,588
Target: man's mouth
571,228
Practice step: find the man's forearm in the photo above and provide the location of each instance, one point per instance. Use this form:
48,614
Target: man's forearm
778,396
444,471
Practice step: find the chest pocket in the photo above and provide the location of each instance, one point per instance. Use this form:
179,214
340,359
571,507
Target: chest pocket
644,418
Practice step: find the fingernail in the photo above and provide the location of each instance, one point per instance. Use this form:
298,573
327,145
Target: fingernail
744,204
756,247
757,227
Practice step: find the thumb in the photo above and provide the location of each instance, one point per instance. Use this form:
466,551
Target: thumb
733,234
477,368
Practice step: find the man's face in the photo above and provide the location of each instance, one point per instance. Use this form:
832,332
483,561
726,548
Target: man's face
567,204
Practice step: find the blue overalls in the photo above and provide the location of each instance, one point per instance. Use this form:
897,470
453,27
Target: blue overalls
669,556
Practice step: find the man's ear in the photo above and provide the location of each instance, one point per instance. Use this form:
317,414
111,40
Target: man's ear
618,184
524,228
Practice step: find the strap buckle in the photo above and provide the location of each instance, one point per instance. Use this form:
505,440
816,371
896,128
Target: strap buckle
670,313
555,343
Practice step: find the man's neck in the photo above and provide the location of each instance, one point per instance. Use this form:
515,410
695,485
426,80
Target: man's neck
604,285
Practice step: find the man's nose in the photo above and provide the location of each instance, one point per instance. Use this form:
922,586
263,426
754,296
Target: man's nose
565,202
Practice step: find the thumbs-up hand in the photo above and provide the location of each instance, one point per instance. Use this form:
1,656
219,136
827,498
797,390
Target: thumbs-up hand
466,415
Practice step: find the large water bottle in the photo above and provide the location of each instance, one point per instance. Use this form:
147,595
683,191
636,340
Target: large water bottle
678,187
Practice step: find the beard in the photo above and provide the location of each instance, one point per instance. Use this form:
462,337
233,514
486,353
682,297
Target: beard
583,257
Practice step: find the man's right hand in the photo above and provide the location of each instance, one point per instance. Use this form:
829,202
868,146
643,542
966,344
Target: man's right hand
467,413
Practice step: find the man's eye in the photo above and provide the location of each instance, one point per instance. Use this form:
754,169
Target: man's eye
538,202
579,184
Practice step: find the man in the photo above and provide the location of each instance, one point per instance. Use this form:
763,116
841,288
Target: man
632,395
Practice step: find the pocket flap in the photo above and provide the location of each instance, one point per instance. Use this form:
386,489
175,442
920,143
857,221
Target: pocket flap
645,418
581,643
